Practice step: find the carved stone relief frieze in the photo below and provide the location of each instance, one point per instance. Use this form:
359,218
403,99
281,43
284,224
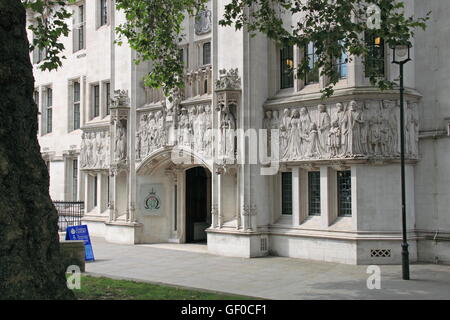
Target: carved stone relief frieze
95,150
354,129
192,129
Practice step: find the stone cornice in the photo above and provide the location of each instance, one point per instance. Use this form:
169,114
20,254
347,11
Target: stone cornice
345,94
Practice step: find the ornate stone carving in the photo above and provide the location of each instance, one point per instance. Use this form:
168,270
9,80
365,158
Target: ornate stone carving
356,130
227,132
120,143
120,99
194,130
95,150
203,22
228,80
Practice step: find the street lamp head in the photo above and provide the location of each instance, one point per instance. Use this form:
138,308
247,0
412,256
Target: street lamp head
401,53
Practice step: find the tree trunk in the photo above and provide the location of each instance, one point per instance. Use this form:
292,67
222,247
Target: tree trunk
30,264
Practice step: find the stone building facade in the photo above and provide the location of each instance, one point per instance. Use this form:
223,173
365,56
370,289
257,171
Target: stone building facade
152,169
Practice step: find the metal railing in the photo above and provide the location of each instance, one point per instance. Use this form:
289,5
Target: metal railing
69,213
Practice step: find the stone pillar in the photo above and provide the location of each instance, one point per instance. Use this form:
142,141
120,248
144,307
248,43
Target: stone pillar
120,151
296,196
227,119
87,198
324,196
83,109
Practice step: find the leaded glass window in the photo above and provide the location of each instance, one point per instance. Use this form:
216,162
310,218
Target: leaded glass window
341,65
314,193
96,100
207,53
103,12
286,67
49,110
312,76
107,97
375,60
286,193
344,190
76,105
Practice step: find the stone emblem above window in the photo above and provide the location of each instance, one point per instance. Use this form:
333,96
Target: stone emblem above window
203,22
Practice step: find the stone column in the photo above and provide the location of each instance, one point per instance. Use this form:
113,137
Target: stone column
296,196
120,151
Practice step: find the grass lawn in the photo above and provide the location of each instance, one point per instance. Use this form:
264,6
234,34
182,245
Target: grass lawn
100,288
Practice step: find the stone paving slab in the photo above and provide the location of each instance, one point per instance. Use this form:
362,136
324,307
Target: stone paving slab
267,277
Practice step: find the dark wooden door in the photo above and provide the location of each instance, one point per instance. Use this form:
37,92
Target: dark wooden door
196,199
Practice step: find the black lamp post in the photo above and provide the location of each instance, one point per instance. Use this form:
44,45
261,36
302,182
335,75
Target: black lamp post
401,55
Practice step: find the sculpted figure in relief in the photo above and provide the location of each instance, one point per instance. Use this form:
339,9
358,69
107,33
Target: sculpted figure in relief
392,112
411,129
285,127
334,138
305,126
83,148
227,126
356,122
183,128
121,142
200,129
342,119
267,124
208,132
374,120
314,142
151,131
323,126
160,129
295,136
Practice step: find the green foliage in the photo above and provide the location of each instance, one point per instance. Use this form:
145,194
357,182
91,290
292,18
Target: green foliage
48,26
154,29
335,26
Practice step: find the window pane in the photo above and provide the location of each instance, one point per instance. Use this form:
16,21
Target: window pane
375,60
286,67
49,111
286,193
107,98
314,193
49,97
103,12
76,91
207,53
49,120
341,65
344,186
312,76
76,116
96,101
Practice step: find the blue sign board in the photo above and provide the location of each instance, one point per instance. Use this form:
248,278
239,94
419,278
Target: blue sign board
81,233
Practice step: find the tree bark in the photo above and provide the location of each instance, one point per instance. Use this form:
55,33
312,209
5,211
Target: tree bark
30,263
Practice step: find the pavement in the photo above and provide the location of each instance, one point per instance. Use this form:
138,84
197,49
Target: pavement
270,277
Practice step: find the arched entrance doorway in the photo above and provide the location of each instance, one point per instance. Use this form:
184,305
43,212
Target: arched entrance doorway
197,204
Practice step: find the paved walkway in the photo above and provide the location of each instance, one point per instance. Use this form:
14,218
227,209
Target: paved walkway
268,277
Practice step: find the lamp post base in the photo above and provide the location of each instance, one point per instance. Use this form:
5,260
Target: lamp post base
405,261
